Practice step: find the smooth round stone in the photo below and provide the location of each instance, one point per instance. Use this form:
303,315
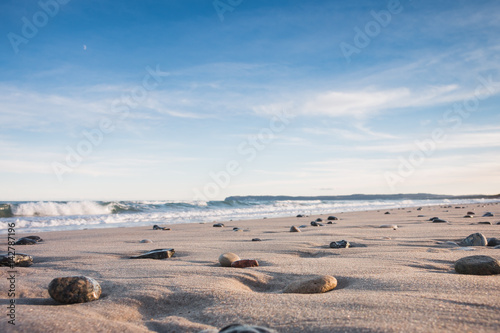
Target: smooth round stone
294,229
477,265
470,213
244,263
468,216
300,215
332,218
237,229
74,289
389,226
146,241
493,242
218,225
439,221
421,216
488,214
256,240
19,260
239,328
476,239
226,259
484,222
319,219
319,284
387,213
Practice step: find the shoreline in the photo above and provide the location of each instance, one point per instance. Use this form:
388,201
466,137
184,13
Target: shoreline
389,280
142,224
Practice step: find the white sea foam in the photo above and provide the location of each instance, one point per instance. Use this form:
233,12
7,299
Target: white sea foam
51,208
49,216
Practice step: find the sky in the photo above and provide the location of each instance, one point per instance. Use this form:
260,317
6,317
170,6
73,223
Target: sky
203,99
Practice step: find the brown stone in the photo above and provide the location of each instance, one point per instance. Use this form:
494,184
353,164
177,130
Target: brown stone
243,263
74,289
319,284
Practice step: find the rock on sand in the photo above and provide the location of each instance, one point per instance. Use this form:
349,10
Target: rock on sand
319,284
477,265
226,259
74,289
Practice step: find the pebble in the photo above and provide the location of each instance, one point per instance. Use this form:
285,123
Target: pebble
419,208
218,225
470,213
340,244
484,222
239,328
319,219
387,213
256,240
25,241
392,226
468,216
237,229
157,227
305,226
318,284
300,215
329,222
332,218
476,239
477,265
488,214
226,259
421,216
439,221
243,263
294,229
74,289
19,260
156,254
316,224
493,242
434,218
146,241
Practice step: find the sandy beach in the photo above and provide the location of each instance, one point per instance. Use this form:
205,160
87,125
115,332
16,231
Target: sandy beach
389,280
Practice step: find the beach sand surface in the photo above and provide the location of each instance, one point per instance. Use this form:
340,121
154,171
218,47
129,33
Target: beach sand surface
388,281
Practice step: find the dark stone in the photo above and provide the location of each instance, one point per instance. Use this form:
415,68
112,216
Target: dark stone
340,244
237,229
300,215
332,218
319,220
156,227
471,213
434,218
156,254
419,208
19,260
421,216
218,225
239,328
488,214
314,224
468,216
36,238
484,222
439,221
256,240
25,241
477,265
493,242
294,229
74,289
476,239
305,226
329,222
387,213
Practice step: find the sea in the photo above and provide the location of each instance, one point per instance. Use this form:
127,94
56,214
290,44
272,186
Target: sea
39,216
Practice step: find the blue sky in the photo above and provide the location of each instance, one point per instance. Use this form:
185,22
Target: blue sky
200,99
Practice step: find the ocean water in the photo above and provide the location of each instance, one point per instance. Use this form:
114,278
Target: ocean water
37,216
